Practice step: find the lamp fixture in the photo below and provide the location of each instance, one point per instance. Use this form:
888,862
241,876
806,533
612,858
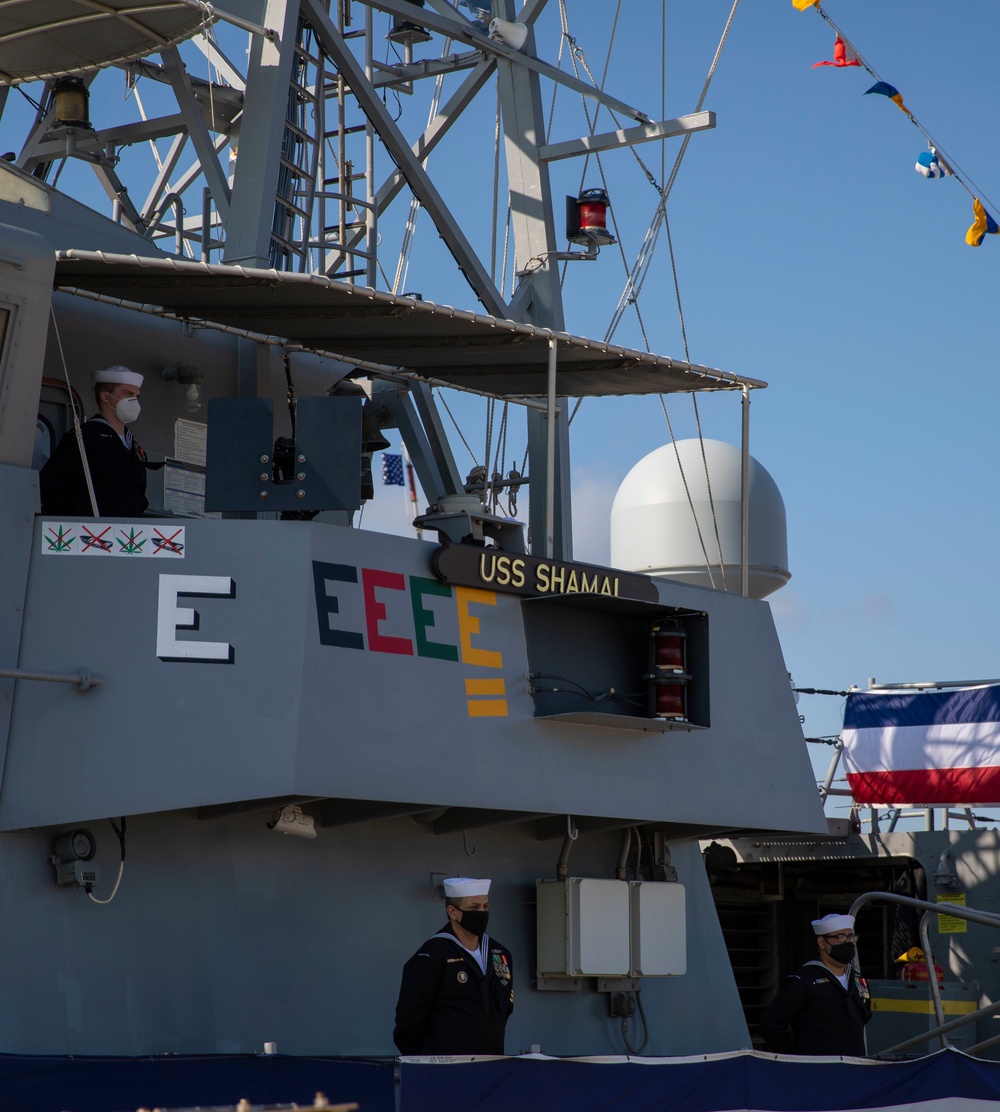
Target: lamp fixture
406,32
71,102
514,35
190,377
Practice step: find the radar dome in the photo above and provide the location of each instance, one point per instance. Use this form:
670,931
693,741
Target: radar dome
653,529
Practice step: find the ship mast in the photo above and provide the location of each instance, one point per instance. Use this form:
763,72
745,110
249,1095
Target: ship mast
260,209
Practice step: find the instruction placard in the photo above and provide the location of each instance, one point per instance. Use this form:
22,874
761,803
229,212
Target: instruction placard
190,441
951,924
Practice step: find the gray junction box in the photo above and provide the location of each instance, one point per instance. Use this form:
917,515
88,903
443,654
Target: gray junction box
610,928
658,933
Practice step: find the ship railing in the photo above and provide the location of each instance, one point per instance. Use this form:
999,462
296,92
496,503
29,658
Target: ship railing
942,1029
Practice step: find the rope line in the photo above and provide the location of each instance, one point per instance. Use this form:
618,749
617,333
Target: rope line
640,269
687,491
496,190
406,247
644,258
447,409
564,24
490,413
697,413
506,248
577,54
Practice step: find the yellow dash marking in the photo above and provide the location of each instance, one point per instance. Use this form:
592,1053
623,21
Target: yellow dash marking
485,687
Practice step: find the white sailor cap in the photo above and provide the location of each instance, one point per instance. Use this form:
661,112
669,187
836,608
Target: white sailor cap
832,924
457,887
118,373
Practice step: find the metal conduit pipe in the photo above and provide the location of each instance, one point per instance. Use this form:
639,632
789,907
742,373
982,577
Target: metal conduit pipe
637,833
562,866
81,679
620,868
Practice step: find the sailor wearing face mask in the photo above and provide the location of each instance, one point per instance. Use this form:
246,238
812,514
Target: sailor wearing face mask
117,464
458,988
823,1007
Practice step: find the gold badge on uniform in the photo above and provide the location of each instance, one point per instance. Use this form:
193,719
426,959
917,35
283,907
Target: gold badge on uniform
462,976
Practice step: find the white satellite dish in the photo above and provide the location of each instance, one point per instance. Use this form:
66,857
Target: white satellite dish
654,530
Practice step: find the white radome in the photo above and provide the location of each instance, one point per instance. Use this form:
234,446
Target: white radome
653,529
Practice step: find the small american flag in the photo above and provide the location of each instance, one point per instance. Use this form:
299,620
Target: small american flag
392,470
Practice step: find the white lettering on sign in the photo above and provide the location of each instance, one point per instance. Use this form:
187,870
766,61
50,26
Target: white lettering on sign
171,617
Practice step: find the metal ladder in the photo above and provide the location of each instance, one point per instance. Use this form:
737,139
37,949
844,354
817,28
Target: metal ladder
298,165
320,223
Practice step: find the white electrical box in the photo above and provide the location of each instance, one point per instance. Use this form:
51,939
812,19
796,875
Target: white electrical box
583,927
659,929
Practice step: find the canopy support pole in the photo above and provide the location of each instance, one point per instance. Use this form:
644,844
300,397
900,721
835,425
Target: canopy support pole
745,498
550,453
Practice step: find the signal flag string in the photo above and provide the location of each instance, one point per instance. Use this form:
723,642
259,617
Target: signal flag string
847,54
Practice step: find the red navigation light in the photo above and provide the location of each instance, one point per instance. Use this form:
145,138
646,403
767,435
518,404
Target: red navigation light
668,675
670,700
587,219
668,645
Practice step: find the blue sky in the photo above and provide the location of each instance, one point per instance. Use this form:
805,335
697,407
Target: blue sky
810,254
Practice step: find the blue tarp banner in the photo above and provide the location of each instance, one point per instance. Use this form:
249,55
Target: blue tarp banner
948,1081
42,1084
743,1082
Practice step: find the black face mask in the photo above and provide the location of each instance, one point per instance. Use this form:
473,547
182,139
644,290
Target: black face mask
842,952
475,922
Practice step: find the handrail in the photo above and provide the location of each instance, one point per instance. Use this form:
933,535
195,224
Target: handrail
959,912
932,981
81,679
987,918
985,1044
951,1025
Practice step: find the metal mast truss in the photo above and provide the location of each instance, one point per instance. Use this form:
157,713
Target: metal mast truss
280,160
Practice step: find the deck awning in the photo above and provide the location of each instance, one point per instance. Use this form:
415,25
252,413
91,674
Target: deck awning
40,39
383,331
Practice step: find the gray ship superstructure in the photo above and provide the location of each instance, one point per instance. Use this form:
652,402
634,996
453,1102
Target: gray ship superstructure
269,732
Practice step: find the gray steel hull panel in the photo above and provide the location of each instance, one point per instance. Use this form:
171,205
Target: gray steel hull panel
291,715
225,935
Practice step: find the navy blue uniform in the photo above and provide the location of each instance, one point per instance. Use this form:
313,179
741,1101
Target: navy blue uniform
824,1017
448,1005
118,474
